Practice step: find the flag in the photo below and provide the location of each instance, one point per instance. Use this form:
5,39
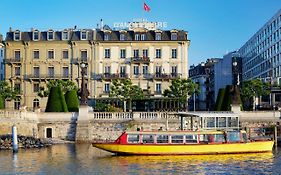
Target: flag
145,7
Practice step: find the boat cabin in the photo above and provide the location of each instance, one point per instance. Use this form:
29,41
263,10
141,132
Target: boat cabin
182,137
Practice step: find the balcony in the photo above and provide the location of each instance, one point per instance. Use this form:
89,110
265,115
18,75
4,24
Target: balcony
39,76
79,60
138,60
160,76
109,76
12,60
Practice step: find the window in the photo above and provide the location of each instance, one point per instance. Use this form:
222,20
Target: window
123,53
50,35
107,69
174,53
133,138
36,103
174,70
158,70
50,54
136,70
17,71
84,55
158,36
137,37
65,35
36,87
122,70
106,37
122,37
145,69
36,54
147,138
143,37
1,53
51,72
190,138
83,35
162,139
65,72
106,53
17,35
177,138
136,53
158,88
106,88
36,72
158,53
145,53
36,35
17,104
17,87
174,36
17,55
65,54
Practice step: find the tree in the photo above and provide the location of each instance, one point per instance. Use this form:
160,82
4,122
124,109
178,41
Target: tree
253,89
227,99
65,85
56,101
125,91
181,89
72,101
7,93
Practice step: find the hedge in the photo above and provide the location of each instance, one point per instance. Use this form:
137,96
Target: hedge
56,101
72,101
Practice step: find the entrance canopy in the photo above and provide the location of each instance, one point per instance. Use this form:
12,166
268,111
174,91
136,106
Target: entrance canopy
208,120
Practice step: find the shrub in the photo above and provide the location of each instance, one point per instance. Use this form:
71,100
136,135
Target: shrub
219,102
56,101
72,101
2,102
227,99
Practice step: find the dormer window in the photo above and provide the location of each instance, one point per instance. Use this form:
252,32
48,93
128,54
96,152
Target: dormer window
17,35
174,36
83,35
158,36
143,37
106,37
50,35
35,35
137,37
65,35
122,37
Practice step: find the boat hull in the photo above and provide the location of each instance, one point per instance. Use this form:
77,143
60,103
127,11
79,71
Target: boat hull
186,149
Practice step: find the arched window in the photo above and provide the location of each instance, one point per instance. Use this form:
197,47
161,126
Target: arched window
35,103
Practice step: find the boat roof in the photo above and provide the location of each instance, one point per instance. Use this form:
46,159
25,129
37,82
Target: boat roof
179,132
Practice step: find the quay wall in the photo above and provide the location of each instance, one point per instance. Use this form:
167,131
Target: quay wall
108,126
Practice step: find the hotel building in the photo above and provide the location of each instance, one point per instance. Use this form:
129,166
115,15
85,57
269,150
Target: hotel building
150,57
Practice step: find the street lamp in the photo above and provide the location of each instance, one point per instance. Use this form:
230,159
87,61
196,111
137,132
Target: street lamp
236,74
84,93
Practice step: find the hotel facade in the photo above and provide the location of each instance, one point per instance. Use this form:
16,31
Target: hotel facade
151,58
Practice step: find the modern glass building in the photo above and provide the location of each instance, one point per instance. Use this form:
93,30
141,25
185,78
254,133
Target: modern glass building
261,54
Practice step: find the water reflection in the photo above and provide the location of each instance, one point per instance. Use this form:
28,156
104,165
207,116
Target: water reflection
84,159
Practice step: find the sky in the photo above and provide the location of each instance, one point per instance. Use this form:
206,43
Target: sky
214,27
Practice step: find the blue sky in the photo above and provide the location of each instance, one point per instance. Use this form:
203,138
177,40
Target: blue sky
215,26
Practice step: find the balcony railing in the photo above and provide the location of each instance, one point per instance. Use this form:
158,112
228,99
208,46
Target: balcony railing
144,60
166,76
39,76
79,60
109,76
13,60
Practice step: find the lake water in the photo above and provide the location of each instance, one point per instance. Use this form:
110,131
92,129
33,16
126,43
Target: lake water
84,159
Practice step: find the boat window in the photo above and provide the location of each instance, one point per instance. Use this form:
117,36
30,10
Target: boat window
177,138
233,136
147,138
162,139
133,138
190,138
219,138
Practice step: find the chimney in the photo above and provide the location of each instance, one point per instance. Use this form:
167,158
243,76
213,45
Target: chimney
10,29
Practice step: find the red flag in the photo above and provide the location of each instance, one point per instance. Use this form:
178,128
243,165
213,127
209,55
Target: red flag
145,7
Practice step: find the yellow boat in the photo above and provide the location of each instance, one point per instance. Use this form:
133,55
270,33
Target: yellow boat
185,143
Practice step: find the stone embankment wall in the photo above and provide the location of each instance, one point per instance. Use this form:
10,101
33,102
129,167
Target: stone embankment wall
107,126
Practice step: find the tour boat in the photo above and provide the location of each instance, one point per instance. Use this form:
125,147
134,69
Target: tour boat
185,143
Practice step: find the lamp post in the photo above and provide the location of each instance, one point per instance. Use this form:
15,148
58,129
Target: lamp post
236,75
84,93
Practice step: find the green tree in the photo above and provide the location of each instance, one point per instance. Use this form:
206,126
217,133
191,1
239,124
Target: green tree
56,101
227,99
125,91
2,102
7,93
181,89
253,89
219,102
66,85
72,101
